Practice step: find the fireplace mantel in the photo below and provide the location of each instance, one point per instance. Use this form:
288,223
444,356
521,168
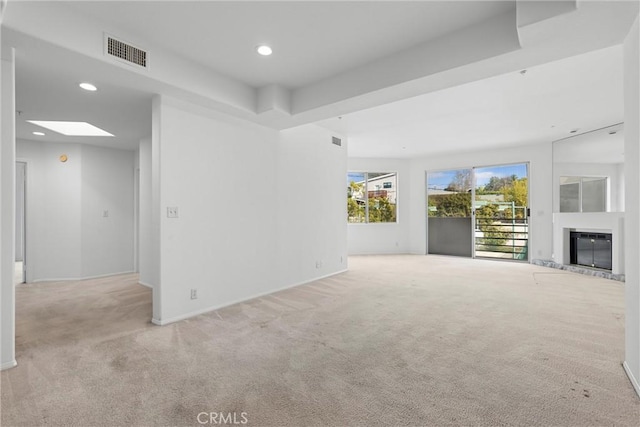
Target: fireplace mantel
603,222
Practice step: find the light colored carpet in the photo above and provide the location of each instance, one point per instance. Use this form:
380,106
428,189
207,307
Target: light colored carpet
398,340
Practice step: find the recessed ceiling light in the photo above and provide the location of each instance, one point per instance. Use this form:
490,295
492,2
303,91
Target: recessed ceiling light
613,132
39,133
264,50
88,86
573,131
71,128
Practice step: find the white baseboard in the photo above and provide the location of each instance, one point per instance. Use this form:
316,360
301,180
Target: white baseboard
69,279
163,322
107,275
145,284
392,252
8,365
634,380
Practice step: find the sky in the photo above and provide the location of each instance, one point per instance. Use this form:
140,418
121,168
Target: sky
440,180
355,177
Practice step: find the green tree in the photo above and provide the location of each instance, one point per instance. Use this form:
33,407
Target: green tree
456,205
497,184
381,210
517,192
486,218
461,182
494,184
490,217
355,211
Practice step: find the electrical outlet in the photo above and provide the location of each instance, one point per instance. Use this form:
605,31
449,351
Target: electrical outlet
194,294
172,212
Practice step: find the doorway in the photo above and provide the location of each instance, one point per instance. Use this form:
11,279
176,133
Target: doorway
19,275
501,213
479,212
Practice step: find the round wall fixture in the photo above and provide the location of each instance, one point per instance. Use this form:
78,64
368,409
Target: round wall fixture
63,158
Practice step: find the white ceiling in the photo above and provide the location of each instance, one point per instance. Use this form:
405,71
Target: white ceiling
47,79
547,102
358,54
605,145
311,40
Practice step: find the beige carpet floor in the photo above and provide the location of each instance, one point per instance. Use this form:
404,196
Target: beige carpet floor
397,340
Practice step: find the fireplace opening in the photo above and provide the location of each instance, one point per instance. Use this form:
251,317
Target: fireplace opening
591,249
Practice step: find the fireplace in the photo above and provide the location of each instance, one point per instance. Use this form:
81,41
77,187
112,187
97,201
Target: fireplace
591,249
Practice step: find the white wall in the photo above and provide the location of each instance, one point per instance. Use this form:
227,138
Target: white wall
156,210
21,170
311,205
256,208
632,203
54,245
613,171
220,174
136,209
540,195
620,189
383,238
68,236
107,179
7,212
147,268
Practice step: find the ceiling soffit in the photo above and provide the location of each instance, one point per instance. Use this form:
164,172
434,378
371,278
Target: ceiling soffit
527,35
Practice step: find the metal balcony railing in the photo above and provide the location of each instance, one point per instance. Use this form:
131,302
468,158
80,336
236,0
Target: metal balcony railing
505,238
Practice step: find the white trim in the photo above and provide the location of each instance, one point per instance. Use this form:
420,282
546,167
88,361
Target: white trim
28,220
399,252
217,307
634,380
8,365
145,284
70,279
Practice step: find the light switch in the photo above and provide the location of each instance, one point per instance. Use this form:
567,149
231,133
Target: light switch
105,214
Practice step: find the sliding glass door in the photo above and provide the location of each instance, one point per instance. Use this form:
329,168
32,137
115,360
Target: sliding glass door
479,212
501,228
449,212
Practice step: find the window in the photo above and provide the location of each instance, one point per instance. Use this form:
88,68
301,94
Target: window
371,197
583,194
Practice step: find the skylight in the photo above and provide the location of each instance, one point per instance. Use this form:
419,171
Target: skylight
71,128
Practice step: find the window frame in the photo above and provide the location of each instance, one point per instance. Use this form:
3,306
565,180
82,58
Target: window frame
366,195
579,180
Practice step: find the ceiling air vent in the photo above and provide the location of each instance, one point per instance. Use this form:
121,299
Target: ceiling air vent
125,52
336,141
